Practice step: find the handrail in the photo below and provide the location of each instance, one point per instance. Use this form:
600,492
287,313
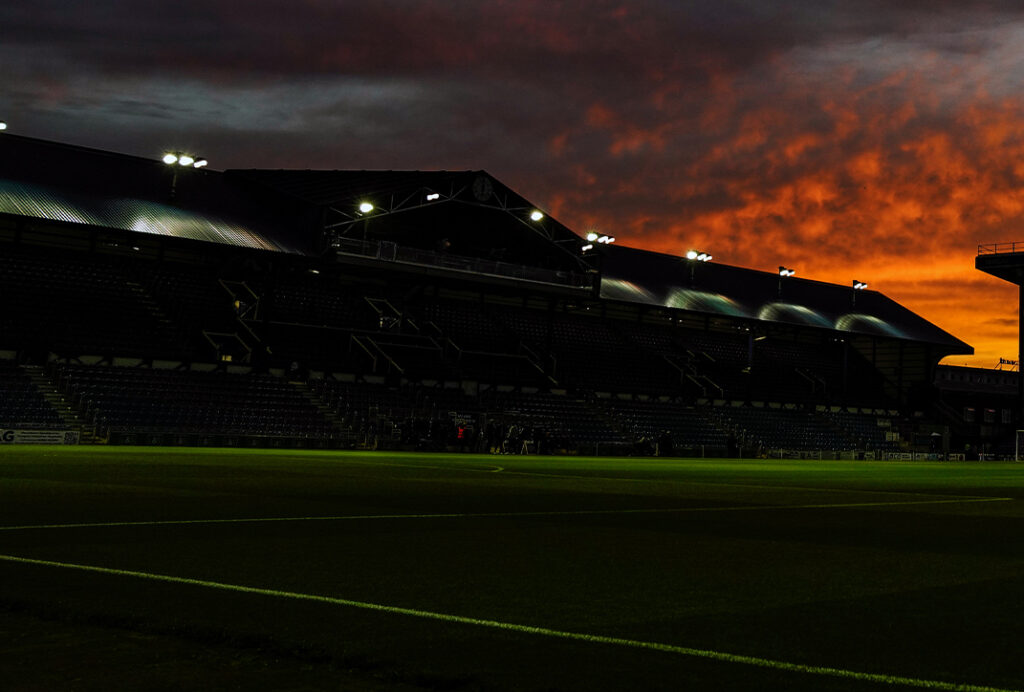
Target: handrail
1000,248
390,252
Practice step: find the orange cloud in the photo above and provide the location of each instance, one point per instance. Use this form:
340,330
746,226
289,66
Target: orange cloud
888,183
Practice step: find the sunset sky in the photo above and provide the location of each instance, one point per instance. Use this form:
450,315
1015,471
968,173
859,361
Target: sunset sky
849,139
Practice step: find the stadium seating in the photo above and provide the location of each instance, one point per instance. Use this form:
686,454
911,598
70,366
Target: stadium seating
21,403
394,365
144,400
72,306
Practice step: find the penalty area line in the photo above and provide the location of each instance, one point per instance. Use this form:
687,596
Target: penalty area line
498,515
524,629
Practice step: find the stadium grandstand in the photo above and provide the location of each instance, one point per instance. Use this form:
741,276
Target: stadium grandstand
144,302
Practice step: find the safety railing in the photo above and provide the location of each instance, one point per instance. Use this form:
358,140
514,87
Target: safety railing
1000,248
391,252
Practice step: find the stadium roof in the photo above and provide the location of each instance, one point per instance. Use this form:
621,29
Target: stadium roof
453,214
60,182
735,292
467,213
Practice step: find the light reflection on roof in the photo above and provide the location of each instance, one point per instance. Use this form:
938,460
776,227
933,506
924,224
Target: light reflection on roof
789,312
702,301
857,322
142,216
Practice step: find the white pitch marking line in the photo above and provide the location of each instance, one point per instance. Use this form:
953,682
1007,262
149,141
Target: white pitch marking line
526,629
628,479
471,515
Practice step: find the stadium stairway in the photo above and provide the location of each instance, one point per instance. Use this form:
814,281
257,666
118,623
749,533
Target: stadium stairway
48,390
338,424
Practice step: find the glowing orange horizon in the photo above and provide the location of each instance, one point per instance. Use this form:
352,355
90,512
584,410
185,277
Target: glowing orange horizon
884,182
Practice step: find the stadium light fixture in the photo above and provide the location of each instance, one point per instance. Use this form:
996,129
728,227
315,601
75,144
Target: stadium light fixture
3,125
186,160
587,247
536,215
695,256
592,236
433,196
365,207
783,273
857,286
176,159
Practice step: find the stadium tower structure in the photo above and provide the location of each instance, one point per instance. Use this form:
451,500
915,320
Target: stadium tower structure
442,279
1006,261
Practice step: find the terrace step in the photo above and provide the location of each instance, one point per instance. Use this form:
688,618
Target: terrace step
65,408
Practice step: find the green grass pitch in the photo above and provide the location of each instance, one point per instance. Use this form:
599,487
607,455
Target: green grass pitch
228,569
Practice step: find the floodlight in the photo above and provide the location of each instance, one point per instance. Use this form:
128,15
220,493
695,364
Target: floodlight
536,215
432,196
691,254
786,271
3,125
592,236
200,163
170,158
588,246
185,160
859,285
611,239
365,207
703,257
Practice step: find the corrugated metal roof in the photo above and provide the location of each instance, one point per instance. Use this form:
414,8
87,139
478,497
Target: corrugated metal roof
141,216
640,276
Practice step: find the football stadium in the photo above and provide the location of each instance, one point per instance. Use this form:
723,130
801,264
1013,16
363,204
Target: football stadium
403,430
